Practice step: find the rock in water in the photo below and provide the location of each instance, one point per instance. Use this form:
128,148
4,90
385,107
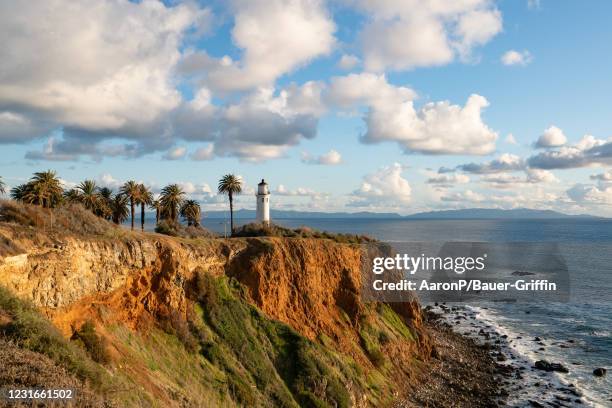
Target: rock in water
546,366
599,372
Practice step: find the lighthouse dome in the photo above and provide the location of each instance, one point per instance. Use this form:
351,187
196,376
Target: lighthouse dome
262,188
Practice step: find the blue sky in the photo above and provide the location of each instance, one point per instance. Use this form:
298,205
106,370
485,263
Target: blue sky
343,106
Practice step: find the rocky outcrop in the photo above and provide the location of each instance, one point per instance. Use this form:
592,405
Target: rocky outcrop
144,280
313,285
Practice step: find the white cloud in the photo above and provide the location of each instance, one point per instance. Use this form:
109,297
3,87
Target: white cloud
176,153
197,189
366,88
435,128
589,151
17,128
277,37
348,62
107,180
514,57
511,181
504,163
590,194
330,158
540,176
385,187
510,139
50,153
552,137
404,34
203,153
262,126
606,176
536,198
467,196
281,190
448,179
111,75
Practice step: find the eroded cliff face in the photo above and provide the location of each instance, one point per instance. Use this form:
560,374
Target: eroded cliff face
136,280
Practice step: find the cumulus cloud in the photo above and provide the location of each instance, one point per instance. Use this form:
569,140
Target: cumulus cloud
513,57
348,62
111,76
506,180
606,176
405,34
176,153
330,158
203,153
448,179
385,187
435,128
537,198
552,137
467,196
505,163
50,153
17,128
281,190
262,127
276,37
590,194
587,152
195,188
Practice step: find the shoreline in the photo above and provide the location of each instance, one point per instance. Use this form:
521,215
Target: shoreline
523,385
461,373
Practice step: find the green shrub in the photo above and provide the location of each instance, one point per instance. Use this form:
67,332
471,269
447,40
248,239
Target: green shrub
93,343
273,230
30,330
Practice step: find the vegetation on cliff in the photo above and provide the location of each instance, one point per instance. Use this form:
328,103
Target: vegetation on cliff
147,320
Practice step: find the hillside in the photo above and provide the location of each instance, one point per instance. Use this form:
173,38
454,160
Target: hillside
140,319
468,213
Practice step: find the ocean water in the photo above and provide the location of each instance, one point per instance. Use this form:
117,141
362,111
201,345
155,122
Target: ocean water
576,333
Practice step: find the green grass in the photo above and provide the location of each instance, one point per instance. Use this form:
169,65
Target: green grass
285,368
31,331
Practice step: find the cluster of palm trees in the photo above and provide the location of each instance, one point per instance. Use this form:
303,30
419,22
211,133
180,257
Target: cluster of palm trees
45,189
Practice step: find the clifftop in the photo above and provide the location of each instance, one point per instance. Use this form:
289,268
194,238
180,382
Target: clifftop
288,300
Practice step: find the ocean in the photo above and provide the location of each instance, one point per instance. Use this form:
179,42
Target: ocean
576,333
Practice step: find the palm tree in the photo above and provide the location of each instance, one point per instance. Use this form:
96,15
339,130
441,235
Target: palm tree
131,190
145,197
190,211
18,193
171,199
44,189
119,208
230,185
89,195
2,186
104,209
72,196
157,206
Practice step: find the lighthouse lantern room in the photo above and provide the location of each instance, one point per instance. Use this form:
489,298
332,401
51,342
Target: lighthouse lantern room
263,203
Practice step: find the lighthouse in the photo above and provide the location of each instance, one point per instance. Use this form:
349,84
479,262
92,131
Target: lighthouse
263,203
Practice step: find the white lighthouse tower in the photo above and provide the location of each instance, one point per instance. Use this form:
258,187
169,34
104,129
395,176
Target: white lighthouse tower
263,203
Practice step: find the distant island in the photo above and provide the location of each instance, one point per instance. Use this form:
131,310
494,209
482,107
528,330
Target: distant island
470,213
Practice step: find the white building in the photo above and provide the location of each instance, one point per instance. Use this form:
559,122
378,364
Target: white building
263,202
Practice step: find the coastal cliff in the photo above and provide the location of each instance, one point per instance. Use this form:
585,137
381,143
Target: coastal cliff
249,321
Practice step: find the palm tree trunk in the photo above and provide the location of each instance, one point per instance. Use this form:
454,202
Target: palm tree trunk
231,200
132,210
142,216
157,215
